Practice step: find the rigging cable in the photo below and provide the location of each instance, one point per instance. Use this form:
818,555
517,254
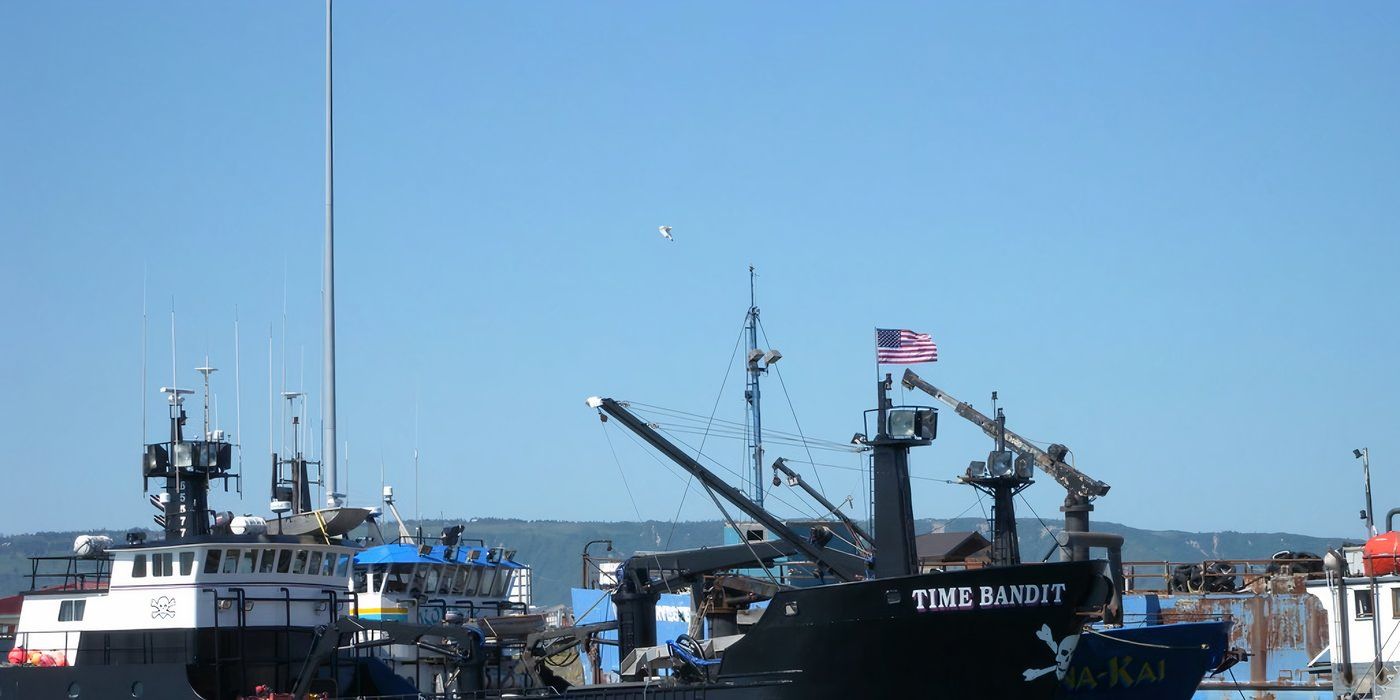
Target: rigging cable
1043,525
617,461
729,367
731,471
725,512
820,487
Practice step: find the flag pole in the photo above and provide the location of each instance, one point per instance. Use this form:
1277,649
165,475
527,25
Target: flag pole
877,355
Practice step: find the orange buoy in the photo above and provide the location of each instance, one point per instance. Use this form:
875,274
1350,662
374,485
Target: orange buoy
34,657
17,655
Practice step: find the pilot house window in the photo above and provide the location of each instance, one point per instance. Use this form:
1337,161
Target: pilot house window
71,610
1363,605
231,561
162,564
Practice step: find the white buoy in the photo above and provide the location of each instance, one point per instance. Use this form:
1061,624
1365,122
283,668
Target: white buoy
91,546
248,525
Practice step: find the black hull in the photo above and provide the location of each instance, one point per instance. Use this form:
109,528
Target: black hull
964,634
872,639
151,681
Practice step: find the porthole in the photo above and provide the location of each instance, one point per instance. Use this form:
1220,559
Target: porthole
73,690
138,689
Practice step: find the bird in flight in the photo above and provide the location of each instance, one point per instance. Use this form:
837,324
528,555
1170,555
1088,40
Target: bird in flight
666,233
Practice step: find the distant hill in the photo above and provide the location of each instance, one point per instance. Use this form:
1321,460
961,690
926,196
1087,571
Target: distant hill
553,548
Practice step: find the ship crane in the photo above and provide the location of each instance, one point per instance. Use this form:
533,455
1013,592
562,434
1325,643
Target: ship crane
1080,488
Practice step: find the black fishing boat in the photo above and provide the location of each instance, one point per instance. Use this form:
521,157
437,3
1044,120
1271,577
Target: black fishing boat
874,628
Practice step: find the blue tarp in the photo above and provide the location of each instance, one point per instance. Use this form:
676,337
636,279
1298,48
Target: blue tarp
592,605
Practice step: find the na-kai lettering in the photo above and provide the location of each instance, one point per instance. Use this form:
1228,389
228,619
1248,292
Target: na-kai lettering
1016,595
1121,672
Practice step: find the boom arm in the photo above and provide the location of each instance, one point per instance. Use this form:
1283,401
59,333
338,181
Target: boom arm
1078,484
794,478
840,567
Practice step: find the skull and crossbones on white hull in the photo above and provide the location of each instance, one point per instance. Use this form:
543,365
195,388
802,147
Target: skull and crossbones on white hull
1062,650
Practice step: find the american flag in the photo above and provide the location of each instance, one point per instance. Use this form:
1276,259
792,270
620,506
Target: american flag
901,347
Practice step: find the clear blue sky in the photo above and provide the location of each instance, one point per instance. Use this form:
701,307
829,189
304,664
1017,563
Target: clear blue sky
1164,232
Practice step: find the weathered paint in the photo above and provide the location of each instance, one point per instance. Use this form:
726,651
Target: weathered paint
1277,622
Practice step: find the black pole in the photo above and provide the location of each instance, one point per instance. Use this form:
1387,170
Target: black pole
895,553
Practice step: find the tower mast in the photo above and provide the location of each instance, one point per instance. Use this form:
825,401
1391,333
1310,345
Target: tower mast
328,295
751,393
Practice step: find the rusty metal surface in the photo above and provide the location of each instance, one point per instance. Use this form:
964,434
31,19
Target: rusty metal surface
1276,621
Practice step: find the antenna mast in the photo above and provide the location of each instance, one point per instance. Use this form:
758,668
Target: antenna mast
206,370
751,393
328,297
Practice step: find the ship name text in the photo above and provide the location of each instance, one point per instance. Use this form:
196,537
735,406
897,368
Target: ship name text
1016,595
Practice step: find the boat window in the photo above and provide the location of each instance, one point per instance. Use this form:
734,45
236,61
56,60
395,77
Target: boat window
1363,605
250,562
269,557
314,565
186,563
211,561
459,579
360,583
157,568
231,561
328,568
71,610
488,582
430,580
449,573
473,581
1395,603
299,562
503,587
284,561
138,566
167,563
343,569
397,580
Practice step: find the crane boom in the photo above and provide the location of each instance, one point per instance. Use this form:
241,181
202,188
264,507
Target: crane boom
842,566
1078,484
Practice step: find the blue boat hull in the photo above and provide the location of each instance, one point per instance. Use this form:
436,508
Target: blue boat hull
1151,662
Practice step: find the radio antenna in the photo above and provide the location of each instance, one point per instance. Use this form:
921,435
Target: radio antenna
237,404
142,392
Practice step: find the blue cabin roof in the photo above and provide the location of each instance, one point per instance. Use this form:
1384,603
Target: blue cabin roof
438,554
395,554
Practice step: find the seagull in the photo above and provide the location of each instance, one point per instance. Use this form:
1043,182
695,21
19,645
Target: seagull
666,233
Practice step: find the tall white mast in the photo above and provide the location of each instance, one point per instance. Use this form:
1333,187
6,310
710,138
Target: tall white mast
328,295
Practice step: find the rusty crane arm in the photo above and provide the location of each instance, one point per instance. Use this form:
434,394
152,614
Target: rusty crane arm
1078,484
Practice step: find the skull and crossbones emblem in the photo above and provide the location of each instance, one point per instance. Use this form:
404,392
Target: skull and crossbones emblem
1062,650
162,608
